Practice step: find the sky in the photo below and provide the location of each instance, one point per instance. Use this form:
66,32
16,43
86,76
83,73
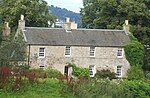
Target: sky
72,5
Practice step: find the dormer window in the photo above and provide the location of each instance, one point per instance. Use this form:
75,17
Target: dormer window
120,53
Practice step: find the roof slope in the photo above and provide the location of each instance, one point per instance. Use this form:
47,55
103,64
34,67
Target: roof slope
79,37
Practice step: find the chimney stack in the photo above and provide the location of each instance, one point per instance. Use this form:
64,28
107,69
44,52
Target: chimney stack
6,30
126,27
21,24
69,25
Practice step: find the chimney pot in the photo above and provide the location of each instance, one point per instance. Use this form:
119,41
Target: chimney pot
126,27
22,17
6,30
67,19
7,24
126,22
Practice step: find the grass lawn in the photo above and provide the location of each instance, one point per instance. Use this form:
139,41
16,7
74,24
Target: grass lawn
47,88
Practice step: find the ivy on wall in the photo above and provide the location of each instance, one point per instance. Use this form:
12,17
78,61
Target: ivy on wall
134,52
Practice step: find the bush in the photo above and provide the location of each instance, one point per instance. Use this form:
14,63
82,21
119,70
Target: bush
79,72
147,74
105,74
101,88
39,73
135,73
52,73
134,53
138,88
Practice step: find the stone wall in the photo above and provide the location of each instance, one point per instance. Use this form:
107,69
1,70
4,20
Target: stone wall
105,58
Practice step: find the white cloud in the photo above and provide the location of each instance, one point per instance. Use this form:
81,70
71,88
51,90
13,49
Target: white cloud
73,5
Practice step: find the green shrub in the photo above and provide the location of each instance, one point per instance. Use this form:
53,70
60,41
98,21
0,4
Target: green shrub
105,74
79,72
135,73
52,73
138,89
134,52
147,74
39,73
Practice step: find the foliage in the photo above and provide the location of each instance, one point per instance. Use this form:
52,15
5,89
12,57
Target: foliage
147,74
46,88
104,88
105,74
35,11
110,14
79,72
134,52
12,50
146,65
52,73
138,89
135,73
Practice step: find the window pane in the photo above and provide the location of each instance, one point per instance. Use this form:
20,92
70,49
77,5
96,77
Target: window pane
41,52
91,70
67,50
119,53
92,51
118,73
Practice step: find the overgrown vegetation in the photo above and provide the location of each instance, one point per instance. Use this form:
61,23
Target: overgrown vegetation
78,71
103,74
134,52
135,73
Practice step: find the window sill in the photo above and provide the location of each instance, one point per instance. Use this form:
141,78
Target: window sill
67,56
119,57
92,56
41,57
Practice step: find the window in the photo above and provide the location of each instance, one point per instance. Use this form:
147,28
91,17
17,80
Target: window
42,63
92,70
120,53
92,51
68,51
66,70
41,52
118,72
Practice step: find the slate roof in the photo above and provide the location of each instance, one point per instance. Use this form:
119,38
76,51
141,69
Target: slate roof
79,37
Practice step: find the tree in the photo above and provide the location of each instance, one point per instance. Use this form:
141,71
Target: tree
35,11
110,14
12,50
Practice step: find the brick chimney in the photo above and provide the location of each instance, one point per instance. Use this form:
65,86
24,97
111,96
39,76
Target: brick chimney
126,27
6,30
70,25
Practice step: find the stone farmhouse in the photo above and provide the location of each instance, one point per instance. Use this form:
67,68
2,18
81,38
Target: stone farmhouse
95,49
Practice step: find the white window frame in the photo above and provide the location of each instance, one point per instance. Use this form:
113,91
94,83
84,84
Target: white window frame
119,71
92,68
67,51
92,51
41,52
118,53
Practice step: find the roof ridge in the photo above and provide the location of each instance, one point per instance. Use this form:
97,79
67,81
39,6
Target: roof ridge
101,29
42,28
76,29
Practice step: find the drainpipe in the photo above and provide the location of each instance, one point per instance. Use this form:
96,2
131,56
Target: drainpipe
29,57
